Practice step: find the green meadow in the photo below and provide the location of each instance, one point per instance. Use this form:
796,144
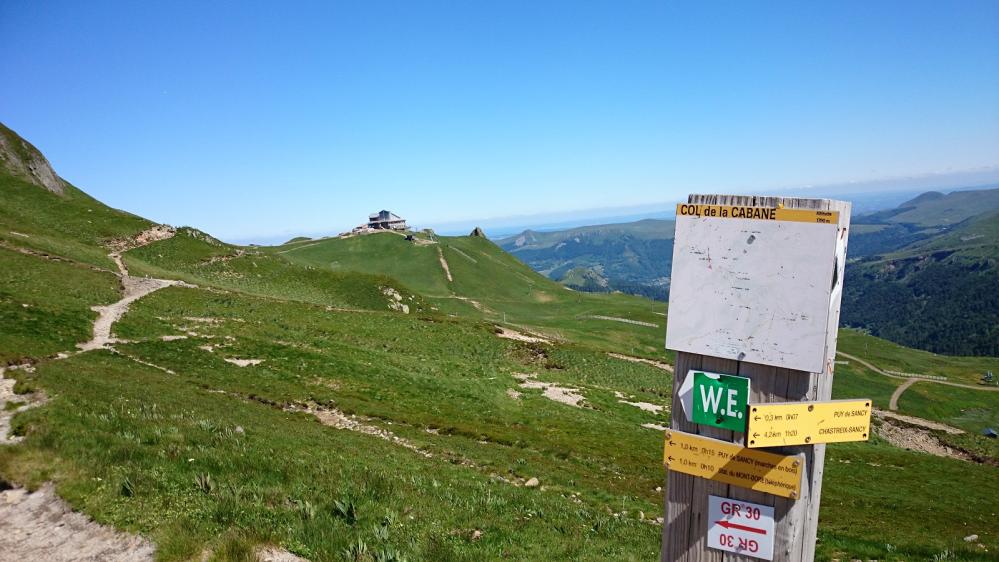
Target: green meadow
286,398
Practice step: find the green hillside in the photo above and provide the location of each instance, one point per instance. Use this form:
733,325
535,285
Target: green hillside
345,400
935,209
489,284
929,285
631,257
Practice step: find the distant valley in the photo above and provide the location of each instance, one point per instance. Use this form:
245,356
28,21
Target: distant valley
922,274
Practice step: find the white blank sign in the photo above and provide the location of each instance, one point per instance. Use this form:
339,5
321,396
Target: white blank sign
752,290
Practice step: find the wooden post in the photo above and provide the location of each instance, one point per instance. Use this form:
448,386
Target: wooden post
796,520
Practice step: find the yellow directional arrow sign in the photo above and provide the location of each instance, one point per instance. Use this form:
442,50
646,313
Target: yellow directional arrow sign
808,423
733,464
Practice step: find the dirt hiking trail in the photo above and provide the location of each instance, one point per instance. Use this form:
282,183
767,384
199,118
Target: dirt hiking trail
41,526
133,288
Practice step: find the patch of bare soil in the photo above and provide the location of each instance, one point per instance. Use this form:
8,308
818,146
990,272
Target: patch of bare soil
228,257
927,424
7,396
645,406
655,426
510,334
276,554
917,439
41,526
173,337
119,246
561,394
335,418
243,362
203,320
478,305
657,364
146,237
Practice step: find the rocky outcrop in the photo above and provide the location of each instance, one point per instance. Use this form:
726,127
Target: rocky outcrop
478,232
20,158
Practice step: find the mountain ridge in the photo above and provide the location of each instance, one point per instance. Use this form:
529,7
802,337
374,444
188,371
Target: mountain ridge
20,158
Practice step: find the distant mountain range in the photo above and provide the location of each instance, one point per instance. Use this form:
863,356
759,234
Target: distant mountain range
922,273
925,274
633,257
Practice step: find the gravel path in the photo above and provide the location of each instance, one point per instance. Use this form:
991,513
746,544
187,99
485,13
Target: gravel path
893,403
135,289
41,526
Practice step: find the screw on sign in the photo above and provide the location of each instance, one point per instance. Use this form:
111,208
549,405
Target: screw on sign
741,527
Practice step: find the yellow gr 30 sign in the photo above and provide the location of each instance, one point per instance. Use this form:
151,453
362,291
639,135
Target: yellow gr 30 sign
808,423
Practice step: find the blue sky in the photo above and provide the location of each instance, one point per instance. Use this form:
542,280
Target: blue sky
253,119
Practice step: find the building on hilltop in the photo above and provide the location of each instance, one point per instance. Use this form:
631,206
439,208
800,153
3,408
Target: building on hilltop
385,220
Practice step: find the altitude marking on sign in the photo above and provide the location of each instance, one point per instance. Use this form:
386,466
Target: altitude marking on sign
757,213
808,423
733,464
715,399
741,527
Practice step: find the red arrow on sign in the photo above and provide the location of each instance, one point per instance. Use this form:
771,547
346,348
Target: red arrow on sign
728,525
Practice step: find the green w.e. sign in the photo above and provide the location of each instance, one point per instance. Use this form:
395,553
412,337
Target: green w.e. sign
716,399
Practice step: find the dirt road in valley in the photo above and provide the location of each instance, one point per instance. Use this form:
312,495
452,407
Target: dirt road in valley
893,405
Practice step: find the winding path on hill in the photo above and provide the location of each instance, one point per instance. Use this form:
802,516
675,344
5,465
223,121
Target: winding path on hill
893,403
909,381
40,525
133,288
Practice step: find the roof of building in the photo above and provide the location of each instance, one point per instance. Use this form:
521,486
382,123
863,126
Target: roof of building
384,215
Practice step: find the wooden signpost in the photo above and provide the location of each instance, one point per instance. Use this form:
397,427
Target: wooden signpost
755,292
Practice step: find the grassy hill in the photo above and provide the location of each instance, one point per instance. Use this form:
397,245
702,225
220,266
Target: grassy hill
926,281
489,284
284,396
935,209
631,257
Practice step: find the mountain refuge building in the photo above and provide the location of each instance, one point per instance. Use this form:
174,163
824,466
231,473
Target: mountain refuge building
386,220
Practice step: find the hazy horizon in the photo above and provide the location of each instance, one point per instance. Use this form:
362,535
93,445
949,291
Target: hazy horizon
252,121
884,196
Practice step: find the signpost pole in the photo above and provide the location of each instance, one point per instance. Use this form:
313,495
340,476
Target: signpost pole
796,519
